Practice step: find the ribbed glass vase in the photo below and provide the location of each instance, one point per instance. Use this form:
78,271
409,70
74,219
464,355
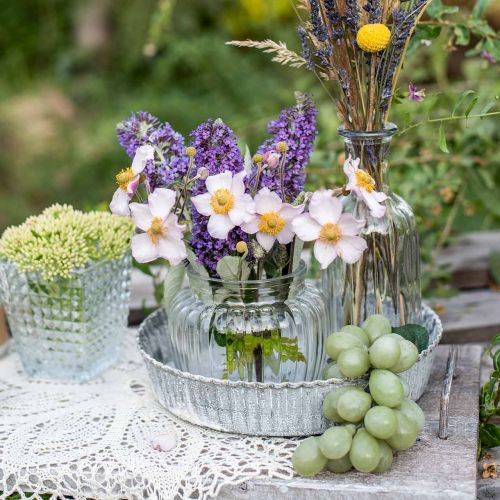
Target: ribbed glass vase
386,280
69,329
269,330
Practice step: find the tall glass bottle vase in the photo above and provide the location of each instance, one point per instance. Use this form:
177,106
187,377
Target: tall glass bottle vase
386,280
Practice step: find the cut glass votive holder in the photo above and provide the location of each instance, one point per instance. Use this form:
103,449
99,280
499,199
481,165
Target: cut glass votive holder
68,329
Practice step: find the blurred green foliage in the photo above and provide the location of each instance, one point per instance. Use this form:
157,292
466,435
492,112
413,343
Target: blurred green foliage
71,69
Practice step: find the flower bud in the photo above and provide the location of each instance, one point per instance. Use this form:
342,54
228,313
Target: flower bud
203,173
272,159
190,151
257,158
282,147
241,247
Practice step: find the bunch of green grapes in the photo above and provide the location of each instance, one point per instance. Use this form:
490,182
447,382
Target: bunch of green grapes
370,424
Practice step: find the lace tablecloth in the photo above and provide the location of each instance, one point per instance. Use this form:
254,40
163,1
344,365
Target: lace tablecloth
97,440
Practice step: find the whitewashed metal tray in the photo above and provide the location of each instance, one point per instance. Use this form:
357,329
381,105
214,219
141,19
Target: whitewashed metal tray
264,409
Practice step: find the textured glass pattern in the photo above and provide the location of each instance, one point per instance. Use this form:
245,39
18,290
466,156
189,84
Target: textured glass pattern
265,331
386,280
69,329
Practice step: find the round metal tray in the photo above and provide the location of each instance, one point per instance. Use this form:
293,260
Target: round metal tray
264,409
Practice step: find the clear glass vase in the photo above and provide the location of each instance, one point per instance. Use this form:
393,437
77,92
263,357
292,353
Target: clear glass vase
270,330
67,329
386,280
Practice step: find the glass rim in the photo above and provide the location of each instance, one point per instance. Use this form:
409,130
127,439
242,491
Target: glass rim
298,273
389,130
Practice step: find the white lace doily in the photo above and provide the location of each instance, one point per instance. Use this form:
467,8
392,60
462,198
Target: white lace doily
95,441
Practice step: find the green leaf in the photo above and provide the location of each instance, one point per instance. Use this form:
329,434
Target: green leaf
489,434
461,99
479,9
469,107
487,107
462,34
233,268
194,263
442,140
173,283
414,333
437,9
495,268
496,360
248,160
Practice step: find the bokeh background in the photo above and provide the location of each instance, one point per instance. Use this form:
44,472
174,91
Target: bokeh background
72,69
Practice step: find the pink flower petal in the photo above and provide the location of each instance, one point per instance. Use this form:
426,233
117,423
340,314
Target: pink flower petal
350,248
324,208
173,228
161,202
202,204
286,235
119,203
132,186
142,156
143,249
219,181
267,201
289,212
252,226
306,228
172,249
325,253
238,184
349,225
243,210
376,210
266,241
219,226
141,215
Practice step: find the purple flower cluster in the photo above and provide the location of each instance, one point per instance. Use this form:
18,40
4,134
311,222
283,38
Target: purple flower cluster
297,127
217,150
170,163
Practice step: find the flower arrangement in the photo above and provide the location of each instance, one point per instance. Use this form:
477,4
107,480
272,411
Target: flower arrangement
62,240
232,217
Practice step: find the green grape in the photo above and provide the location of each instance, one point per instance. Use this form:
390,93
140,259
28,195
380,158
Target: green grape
351,428
386,388
405,435
307,459
385,352
335,442
376,326
380,422
407,358
357,332
385,461
413,412
332,371
352,405
365,451
330,404
340,465
340,341
406,387
353,362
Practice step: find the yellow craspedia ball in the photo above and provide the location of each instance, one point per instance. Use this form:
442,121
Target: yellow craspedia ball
373,37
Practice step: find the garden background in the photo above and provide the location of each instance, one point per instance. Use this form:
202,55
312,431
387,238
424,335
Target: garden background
72,69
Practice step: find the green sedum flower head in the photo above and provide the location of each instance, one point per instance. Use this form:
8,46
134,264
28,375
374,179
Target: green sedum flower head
63,239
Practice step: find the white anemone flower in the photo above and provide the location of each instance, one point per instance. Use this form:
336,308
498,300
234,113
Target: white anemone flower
163,234
363,185
334,233
272,220
129,179
225,202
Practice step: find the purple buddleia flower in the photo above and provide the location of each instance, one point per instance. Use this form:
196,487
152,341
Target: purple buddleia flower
170,160
488,57
414,94
134,131
297,127
217,150
352,16
374,11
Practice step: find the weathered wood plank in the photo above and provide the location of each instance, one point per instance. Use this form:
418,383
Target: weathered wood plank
468,258
472,316
433,468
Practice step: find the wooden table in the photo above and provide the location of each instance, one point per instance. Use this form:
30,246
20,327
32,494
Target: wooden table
433,468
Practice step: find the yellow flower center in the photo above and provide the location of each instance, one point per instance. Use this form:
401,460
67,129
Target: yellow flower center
156,231
222,201
271,223
330,233
365,181
125,177
373,37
